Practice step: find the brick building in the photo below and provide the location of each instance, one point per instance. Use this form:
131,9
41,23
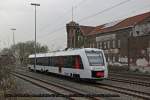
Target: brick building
115,38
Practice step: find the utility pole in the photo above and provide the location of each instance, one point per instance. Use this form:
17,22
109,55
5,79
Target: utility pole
35,5
13,30
72,13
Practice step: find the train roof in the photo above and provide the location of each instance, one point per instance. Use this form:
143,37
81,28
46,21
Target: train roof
64,52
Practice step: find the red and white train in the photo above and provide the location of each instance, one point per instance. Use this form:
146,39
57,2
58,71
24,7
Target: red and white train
86,63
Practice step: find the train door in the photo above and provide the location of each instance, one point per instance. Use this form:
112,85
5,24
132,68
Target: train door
61,63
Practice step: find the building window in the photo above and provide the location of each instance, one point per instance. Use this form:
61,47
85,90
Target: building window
118,43
72,45
105,45
108,44
113,44
78,38
90,45
97,44
100,45
93,44
113,58
108,58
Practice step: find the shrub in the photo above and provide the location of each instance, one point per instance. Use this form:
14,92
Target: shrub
7,65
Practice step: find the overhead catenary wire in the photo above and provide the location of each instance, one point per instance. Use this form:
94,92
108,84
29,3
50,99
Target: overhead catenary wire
122,17
52,32
60,17
61,28
93,15
105,10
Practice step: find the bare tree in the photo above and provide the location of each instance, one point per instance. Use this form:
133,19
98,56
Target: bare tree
23,50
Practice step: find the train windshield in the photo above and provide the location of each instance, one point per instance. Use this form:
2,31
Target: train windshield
95,58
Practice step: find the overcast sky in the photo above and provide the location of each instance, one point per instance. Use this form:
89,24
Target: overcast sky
53,15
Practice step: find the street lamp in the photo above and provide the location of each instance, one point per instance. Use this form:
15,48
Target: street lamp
35,4
13,30
13,50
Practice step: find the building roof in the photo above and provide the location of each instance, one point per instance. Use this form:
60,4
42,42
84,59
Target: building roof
86,29
116,25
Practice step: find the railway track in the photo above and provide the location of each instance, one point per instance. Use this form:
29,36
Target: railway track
146,84
133,76
121,90
121,78
126,91
72,93
39,84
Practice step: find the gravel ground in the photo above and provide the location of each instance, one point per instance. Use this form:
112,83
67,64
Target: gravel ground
83,87
24,87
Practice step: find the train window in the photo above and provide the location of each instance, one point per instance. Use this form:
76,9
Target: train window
52,61
95,58
68,62
61,61
31,61
55,61
44,61
38,61
73,62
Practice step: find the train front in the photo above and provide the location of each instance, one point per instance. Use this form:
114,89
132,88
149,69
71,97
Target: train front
97,64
